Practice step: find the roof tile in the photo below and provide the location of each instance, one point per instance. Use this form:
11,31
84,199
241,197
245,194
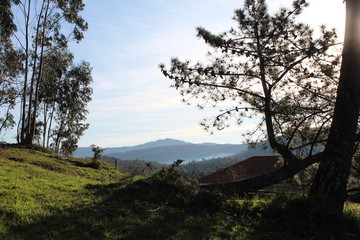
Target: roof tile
251,167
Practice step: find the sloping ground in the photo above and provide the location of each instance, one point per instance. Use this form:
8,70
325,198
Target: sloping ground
35,185
43,196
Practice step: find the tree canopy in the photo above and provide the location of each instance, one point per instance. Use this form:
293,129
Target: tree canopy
273,68
49,86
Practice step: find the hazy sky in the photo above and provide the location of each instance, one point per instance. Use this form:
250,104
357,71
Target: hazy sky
127,39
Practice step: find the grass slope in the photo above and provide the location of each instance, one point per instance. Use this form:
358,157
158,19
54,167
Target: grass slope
43,196
36,186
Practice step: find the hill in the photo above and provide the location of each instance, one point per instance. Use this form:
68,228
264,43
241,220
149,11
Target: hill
188,152
86,151
194,168
168,150
38,189
47,197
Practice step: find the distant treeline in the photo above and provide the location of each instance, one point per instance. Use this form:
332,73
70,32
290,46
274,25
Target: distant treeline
134,167
194,169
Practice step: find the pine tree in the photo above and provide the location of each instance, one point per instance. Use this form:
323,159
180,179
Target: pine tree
274,70
328,192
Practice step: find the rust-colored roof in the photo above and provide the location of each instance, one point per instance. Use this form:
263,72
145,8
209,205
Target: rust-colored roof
251,167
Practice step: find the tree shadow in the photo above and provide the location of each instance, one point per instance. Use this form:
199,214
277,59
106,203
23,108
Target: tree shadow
287,217
126,210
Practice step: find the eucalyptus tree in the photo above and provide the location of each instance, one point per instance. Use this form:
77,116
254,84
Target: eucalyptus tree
9,68
38,28
273,68
55,68
73,96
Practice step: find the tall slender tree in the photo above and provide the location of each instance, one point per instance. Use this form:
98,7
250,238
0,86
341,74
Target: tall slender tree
9,67
55,68
37,33
71,110
41,31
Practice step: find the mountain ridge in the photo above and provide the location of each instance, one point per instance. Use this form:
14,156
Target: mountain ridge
86,151
187,152
167,150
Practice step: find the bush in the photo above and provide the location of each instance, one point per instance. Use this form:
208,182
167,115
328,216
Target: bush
97,155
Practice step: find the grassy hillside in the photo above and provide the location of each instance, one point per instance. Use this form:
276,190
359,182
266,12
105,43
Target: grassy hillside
37,191
43,196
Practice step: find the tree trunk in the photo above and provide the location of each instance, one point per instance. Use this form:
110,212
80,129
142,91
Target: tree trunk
259,182
50,124
28,135
328,192
24,93
58,137
45,124
39,73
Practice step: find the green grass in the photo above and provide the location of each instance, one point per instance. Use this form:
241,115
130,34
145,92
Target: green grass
36,185
43,196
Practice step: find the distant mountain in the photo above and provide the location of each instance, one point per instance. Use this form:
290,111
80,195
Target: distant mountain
168,151
86,151
189,152
195,168
158,143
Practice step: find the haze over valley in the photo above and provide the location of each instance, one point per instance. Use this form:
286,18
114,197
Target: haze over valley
169,150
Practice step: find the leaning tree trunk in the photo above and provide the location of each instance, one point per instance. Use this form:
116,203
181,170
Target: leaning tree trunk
328,192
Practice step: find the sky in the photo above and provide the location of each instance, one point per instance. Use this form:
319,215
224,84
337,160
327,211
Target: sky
133,102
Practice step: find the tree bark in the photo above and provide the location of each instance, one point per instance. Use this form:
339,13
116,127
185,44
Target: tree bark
328,192
50,124
27,56
39,73
28,137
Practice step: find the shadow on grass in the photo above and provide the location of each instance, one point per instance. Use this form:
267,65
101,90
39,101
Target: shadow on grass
170,207
144,209
286,218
